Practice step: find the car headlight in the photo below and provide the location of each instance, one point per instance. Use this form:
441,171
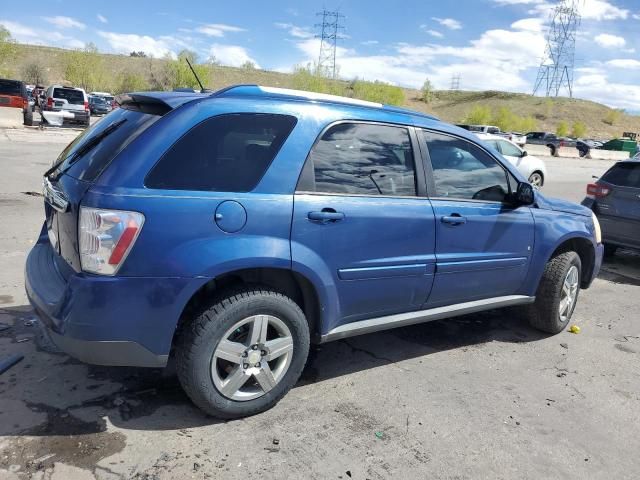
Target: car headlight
597,231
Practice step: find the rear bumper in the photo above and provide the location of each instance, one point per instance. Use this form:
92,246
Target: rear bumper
124,321
78,116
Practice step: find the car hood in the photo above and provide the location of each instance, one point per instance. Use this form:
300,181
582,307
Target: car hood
559,205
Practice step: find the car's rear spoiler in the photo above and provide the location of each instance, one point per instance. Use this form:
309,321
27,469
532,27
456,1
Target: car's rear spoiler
155,103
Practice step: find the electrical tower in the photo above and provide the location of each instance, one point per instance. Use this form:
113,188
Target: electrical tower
330,29
556,68
455,82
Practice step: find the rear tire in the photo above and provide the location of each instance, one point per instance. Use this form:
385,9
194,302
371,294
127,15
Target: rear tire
563,272
28,117
206,357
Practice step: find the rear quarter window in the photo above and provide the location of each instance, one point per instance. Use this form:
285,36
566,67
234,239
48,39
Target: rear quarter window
13,88
624,175
225,153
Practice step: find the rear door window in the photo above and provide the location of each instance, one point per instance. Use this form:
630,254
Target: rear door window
508,149
125,125
225,153
624,175
12,88
74,97
361,159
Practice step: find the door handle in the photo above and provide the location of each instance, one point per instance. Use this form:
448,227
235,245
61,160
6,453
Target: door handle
454,219
326,215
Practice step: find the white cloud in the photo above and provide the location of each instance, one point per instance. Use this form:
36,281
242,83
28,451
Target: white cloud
25,34
607,40
450,23
294,30
370,42
433,33
599,88
233,55
626,63
64,22
529,24
218,29
102,18
590,9
18,31
128,42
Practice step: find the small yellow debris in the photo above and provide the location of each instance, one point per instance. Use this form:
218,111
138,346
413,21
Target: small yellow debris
574,329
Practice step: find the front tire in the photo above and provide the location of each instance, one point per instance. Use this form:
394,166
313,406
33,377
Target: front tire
557,294
244,353
536,180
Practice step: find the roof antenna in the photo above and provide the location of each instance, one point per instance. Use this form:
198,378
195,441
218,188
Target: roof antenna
202,89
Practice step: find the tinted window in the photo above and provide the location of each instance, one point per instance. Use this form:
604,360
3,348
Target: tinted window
508,149
128,125
75,97
463,170
226,153
12,88
624,175
361,159
493,130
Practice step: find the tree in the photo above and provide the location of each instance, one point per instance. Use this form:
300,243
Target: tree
248,65
479,115
85,68
175,73
8,52
505,119
132,82
34,73
613,116
578,130
139,54
426,92
563,129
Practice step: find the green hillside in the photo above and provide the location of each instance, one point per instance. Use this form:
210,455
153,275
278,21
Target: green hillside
120,72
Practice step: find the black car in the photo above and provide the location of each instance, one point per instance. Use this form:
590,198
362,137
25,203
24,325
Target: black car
99,106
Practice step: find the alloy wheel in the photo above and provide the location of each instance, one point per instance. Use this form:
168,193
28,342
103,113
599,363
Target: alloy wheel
569,293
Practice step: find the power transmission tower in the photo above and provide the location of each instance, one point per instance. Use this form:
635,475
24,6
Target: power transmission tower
556,68
330,29
455,82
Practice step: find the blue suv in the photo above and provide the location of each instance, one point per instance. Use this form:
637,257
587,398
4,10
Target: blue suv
230,230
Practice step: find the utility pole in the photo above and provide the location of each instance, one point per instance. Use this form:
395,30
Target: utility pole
330,29
455,82
556,69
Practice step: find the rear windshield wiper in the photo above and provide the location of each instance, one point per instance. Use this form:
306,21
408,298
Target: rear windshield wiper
85,148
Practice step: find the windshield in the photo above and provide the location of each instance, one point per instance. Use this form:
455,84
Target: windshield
89,154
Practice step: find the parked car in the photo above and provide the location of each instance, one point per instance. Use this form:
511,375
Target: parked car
231,229
532,168
515,137
108,97
615,199
550,140
13,94
99,106
73,102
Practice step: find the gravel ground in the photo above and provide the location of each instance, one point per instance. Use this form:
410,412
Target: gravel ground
481,396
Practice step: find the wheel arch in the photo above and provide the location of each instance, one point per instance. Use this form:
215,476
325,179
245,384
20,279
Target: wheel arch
585,250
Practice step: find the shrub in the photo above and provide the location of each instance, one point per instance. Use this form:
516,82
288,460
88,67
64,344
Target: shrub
578,130
380,92
131,82
563,129
426,92
34,73
85,68
479,115
613,116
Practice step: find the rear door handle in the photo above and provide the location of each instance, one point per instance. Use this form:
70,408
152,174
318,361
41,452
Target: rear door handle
454,219
326,215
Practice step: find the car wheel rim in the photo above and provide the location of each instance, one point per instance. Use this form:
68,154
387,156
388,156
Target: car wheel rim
569,293
252,357
535,180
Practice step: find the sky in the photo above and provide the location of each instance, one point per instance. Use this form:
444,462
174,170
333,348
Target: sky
491,44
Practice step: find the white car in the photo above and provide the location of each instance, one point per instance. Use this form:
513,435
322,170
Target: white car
529,166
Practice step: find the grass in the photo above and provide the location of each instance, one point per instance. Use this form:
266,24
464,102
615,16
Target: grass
452,106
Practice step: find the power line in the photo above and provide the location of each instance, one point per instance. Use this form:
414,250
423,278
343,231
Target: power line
330,29
455,82
556,69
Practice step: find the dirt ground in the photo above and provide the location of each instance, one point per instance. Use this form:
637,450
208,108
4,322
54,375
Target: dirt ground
482,396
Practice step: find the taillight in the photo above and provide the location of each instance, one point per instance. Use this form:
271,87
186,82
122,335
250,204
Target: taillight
106,238
49,102
595,190
86,105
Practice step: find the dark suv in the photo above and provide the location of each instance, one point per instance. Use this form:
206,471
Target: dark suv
230,230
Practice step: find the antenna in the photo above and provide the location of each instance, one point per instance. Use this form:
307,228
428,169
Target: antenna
556,67
202,89
329,37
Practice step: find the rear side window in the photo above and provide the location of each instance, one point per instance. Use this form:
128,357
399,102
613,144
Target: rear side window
624,175
75,97
13,88
361,159
90,153
225,153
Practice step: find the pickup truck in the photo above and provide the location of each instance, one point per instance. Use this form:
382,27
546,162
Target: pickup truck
515,137
551,140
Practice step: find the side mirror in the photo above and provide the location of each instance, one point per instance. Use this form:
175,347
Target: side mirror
524,153
524,195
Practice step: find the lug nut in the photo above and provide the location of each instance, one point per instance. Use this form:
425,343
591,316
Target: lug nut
258,364
255,347
245,365
244,354
263,353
